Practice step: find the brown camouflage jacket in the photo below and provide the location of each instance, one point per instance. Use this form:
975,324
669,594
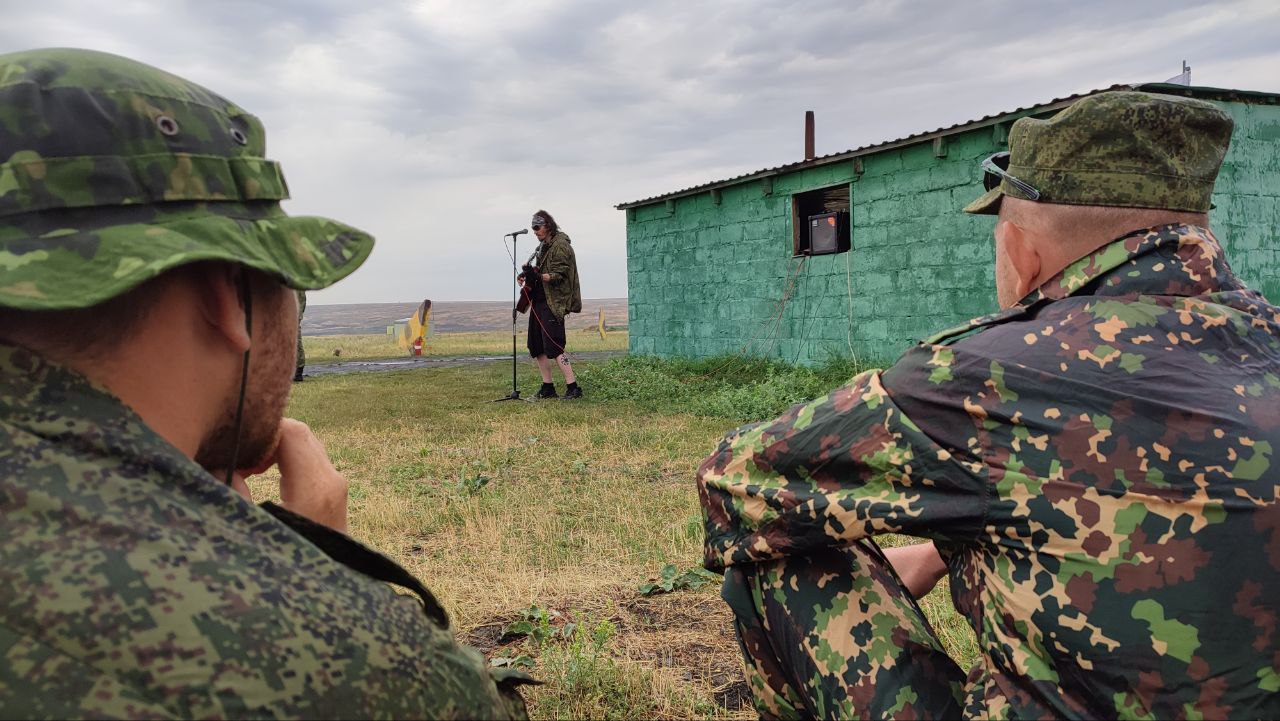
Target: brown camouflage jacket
135,585
1095,465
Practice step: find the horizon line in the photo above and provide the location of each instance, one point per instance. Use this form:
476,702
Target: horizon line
406,302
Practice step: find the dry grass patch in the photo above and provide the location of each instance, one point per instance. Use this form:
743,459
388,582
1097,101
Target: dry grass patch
500,507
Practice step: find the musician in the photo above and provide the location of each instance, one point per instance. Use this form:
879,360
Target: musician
550,285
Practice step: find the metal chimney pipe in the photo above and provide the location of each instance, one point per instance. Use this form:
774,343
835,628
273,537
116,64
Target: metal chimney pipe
808,135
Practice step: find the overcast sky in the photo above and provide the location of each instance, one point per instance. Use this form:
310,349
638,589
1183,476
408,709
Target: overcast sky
440,125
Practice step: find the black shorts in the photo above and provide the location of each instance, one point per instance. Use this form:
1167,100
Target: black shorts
546,332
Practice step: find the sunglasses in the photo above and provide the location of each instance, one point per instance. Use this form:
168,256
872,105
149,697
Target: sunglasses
538,226
996,168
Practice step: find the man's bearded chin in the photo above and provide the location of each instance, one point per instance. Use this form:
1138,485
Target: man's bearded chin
258,437
265,398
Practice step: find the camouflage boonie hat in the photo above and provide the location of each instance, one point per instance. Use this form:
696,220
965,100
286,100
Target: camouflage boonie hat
1120,148
112,172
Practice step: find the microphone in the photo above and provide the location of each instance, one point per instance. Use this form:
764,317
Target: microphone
522,231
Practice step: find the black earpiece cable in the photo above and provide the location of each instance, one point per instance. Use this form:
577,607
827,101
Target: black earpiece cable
247,299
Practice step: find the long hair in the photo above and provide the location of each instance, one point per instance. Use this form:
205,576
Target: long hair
552,226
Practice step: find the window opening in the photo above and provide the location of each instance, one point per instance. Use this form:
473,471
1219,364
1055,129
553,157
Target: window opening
820,221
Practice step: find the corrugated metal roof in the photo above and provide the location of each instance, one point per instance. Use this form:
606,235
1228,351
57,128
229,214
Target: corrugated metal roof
1055,104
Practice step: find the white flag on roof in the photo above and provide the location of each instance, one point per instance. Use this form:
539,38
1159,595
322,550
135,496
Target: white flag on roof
1184,78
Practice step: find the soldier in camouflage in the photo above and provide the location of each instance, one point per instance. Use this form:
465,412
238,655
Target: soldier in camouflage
1091,465
301,356
140,228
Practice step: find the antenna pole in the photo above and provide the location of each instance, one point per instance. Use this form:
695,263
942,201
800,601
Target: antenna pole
515,390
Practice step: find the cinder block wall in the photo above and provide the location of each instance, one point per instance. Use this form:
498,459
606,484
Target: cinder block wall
1247,195
707,278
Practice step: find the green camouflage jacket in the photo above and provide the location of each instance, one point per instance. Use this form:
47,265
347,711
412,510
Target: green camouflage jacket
138,586
1094,465
556,258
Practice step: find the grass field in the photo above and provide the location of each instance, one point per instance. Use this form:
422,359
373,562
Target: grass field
320,349
548,516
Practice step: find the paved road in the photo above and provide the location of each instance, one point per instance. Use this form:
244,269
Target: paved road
401,364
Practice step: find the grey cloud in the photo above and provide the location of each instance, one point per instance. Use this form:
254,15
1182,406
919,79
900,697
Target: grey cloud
438,124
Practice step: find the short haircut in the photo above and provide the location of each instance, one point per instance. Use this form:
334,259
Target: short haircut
88,331
1092,223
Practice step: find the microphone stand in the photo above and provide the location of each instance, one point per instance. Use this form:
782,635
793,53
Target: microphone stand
515,391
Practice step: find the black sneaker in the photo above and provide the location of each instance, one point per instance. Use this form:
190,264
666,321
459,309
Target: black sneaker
572,393
546,391
297,376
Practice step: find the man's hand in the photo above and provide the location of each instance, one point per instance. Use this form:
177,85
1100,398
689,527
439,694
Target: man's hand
919,566
309,484
546,277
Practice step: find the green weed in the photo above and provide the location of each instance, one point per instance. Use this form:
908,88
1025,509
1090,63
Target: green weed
538,626
669,579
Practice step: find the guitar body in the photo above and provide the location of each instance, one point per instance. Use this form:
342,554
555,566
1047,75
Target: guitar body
530,276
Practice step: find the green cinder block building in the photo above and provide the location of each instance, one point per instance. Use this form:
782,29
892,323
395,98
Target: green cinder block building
736,266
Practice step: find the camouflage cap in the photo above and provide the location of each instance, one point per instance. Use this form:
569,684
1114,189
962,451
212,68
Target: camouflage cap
112,172
1120,148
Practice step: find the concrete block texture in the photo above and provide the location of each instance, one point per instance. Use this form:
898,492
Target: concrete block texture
715,278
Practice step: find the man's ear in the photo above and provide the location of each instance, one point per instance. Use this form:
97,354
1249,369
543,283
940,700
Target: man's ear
222,304
1024,258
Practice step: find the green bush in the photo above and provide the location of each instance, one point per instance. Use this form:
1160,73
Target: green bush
734,387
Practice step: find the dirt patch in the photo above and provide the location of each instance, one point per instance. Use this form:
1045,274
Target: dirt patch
487,638
692,634
686,635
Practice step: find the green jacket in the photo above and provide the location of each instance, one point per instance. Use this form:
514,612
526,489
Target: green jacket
137,585
555,258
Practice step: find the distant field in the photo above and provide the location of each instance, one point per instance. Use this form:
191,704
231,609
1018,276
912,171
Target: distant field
320,349
447,316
